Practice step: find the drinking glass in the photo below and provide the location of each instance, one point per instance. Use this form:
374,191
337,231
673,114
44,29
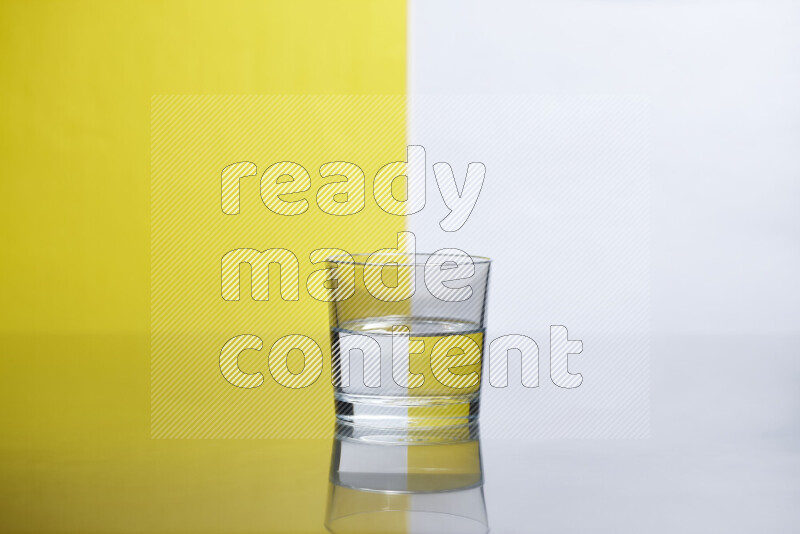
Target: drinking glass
407,337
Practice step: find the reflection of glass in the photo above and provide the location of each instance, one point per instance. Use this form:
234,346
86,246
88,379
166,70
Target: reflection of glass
406,481
407,338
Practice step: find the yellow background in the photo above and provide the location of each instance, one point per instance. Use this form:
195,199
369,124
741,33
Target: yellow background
74,384
193,139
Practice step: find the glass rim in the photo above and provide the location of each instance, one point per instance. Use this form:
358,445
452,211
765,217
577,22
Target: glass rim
419,258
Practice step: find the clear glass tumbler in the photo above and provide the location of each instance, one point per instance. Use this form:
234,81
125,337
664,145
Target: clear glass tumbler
407,336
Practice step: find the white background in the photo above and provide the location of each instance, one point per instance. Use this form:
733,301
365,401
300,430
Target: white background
723,80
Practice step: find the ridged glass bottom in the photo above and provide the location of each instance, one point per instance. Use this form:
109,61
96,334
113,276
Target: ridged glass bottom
407,412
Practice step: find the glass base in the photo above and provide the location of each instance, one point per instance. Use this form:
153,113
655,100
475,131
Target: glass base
420,413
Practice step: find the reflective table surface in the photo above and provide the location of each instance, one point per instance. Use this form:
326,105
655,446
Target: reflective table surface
723,456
